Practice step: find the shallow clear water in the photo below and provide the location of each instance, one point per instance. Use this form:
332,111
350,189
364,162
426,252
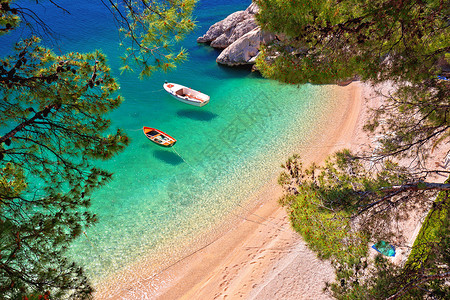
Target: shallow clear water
165,198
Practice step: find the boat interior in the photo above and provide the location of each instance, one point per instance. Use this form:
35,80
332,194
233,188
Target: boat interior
152,133
181,93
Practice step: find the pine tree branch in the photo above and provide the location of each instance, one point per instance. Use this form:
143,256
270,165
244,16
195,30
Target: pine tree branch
419,186
403,148
416,282
38,115
398,189
385,198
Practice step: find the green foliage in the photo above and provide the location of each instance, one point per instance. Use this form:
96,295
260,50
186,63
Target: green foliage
378,282
326,231
340,207
9,18
343,183
329,233
327,41
322,203
415,120
151,29
54,125
52,112
430,253
404,42
436,224
424,274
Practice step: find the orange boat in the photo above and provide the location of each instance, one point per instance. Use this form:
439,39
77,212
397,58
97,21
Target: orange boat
159,137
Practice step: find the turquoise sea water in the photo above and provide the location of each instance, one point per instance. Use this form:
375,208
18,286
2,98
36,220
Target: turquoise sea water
164,199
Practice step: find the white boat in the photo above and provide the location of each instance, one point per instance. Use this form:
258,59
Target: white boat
186,95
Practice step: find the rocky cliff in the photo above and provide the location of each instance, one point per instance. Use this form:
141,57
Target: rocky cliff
239,36
245,49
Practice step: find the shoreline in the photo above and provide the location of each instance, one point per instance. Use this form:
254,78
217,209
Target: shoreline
261,255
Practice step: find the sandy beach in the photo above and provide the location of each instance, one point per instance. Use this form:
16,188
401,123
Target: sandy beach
261,257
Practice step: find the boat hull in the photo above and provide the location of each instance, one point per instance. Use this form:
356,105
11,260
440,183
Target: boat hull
158,137
186,95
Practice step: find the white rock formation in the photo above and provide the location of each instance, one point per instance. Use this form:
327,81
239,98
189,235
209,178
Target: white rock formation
239,35
245,49
224,33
